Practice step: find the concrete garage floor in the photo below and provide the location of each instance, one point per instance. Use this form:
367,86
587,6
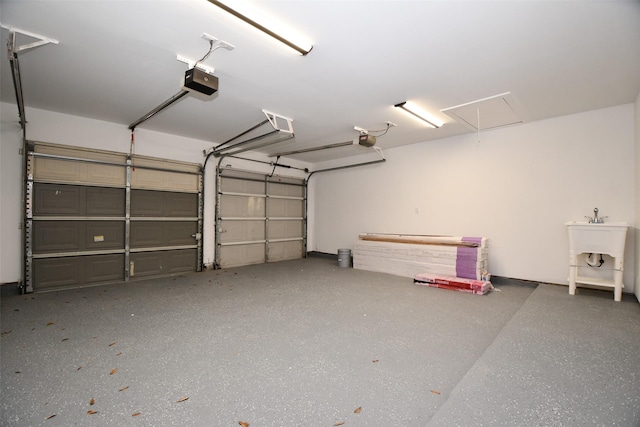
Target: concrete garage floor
306,343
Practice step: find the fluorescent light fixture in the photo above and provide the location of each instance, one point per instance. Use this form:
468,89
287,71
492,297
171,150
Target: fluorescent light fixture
416,112
250,17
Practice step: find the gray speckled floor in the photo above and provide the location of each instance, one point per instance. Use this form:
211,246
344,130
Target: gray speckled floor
306,343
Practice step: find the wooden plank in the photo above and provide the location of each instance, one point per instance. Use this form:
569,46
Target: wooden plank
415,239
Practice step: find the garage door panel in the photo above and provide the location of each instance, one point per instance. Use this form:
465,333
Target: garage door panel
56,199
74,200
162,233
242,207
74,172
237,255
56,170
181,205
180,261
104,235
147,203
241,231
105,201
104,268
145,264
150,179
180,233
51,273
285,229
161,180
285,208
75,236
241,186
276,189
145,234
55,272
282,251
57,236
159,263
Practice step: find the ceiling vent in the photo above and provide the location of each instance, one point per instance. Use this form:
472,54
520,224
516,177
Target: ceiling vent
487,113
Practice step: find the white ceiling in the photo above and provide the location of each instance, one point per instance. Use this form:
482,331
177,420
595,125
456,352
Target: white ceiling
116,61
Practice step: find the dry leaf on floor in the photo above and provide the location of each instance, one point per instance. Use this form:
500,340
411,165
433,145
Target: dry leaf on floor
243,423
65,339
51,323
50,416
79,367
339,423
113,371
92,412
119,354
358,410
92,401
376,360
435,392
124,388
112,344
135,414
182,399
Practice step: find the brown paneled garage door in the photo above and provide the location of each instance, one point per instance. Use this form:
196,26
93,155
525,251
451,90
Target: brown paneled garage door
98,217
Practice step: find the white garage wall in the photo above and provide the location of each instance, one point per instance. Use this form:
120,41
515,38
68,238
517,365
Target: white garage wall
637,180
11,210
59,128
517,186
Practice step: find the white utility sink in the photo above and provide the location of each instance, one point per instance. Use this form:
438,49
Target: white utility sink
597,238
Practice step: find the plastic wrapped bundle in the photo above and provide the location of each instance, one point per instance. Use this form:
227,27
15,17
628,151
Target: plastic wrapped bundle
478,287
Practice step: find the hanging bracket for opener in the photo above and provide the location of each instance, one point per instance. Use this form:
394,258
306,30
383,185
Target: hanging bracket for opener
276,119
280,124
12,52
215,44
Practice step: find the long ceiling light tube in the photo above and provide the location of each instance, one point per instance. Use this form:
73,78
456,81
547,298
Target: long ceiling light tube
418,114
303,50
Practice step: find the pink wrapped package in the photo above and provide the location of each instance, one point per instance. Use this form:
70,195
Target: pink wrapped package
478,287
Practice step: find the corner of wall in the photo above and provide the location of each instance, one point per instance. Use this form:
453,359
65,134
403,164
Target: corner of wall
637,193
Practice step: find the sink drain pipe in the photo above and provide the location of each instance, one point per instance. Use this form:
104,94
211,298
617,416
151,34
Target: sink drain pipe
593,260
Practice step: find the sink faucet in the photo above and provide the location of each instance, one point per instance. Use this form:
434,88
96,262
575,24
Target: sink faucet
596,219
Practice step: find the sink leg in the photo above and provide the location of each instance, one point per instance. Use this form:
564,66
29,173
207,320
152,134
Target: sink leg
573,273
617,279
